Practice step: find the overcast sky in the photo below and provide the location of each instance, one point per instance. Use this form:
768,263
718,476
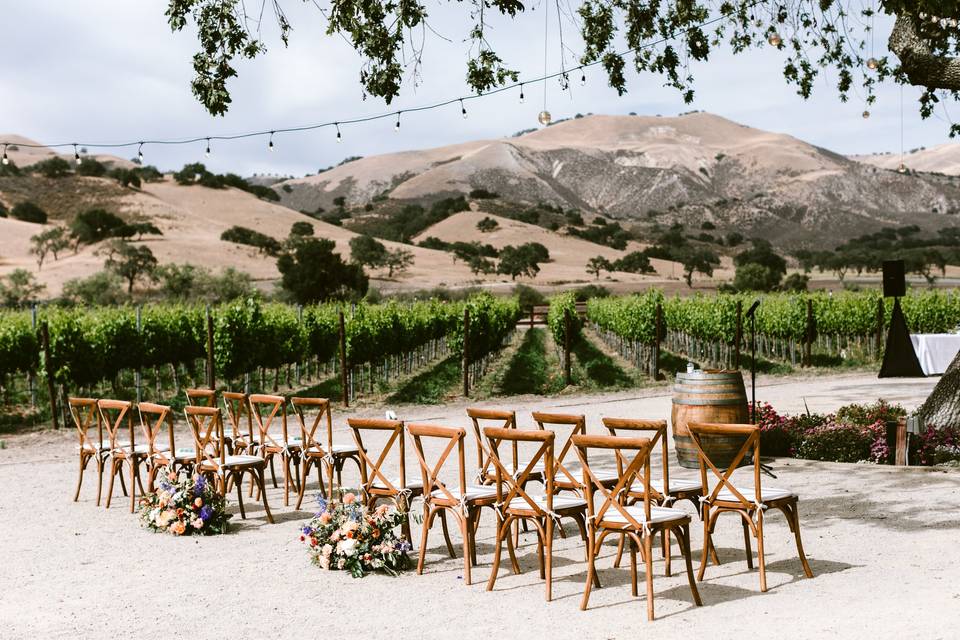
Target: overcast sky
111,70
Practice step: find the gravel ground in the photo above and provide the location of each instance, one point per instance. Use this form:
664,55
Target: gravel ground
882,543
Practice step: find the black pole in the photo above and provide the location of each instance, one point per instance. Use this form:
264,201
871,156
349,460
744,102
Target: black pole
753,367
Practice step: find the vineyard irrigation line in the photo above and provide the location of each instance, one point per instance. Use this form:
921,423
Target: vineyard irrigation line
389,114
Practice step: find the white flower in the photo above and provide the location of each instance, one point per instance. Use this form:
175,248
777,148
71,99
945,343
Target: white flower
347,546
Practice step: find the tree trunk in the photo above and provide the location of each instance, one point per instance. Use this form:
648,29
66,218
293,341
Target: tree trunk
942,408
922,67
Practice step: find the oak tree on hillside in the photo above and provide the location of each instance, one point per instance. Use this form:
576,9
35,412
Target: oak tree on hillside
314,272
597,265
130,262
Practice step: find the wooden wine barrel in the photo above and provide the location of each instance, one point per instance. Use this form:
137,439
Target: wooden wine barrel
708,396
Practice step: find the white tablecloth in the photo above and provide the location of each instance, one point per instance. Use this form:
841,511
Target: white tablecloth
935,350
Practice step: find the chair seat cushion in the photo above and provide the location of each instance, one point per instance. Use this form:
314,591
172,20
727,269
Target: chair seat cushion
239,461
345,448
185,453
657,515
750,493
577,472
559,502
474,492
411,484
91,445
678,484
143,448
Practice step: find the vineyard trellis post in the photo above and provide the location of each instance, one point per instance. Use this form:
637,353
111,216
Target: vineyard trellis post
32,375
808,336
657,336
466,353
51,387
566,347
738,335
138,376
344,380
878,344
211,374
299,325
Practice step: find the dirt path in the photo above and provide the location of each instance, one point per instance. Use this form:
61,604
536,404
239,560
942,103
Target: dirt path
881,540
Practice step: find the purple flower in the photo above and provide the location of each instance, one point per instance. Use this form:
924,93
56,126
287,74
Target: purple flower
200,485
206,512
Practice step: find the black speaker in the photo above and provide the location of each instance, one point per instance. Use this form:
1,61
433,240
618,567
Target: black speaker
894,284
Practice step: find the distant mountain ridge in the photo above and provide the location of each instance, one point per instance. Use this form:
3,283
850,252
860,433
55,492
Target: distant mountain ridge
691,169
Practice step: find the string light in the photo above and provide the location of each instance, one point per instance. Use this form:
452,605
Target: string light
866,114
207,152
76,156
363,119
872,64
583,77
397,126
270,144
463,109
774,39
6,160
140,153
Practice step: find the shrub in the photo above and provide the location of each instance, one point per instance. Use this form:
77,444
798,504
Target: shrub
95,225
634,262
795,282
55,167
29,212
19,288
301,228
755,277
100,289
938,446
243,235
867,414
91,167
840,442
314,272
528,296
487,224
481,194
590,291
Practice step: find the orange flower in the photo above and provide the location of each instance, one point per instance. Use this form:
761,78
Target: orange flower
198,503
349,498
179,513
376,533
178,527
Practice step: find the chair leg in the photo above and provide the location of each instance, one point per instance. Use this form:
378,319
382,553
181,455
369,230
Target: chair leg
123,484
548,551
473,516
796,534
303,482
746,544
465,526
83,464
100,464
286,481
648,559
263,493
616,562
705,556
428,516
503,531
763,562
665,549
134,481
633,568
273,473
446,533
684,535
113,474
238,480
591,575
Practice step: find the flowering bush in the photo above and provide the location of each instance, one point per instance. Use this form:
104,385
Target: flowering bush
867,414
184,505
779,435
346,535
939,446
836,441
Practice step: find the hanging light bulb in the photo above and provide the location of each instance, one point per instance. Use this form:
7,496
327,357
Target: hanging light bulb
521,94
337,125
774,39
463,109
207,153
544,117
866,114
76,156
6,160
583,77
140,153
397,126
270,144
902,168
872,63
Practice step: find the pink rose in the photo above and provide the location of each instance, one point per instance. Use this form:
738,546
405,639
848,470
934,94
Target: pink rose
349,498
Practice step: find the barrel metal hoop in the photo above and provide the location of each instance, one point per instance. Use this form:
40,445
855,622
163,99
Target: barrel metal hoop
708,402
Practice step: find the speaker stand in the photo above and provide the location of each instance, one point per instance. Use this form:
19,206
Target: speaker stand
899,358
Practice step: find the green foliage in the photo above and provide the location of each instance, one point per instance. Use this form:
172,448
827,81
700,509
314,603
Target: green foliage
563,315
795,283
755,277
29,212
633,317
695,260
597,265
91,167
127,177
313,272
301,228
54,167
634,262
521,261
762,253
95,225
9,169
19,343
103,288
403,225
491,321
487,224
250,237
130,262
589,291
366,251
185,282
528,296
607,234
483,194
19,288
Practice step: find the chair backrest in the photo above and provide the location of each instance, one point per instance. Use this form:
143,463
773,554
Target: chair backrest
113,415
637,466
272,405
153,418
659,430
235,406
751,444
431,470
85,415
206,423
201,397
578,424
515,481
372,460
312,411
495,418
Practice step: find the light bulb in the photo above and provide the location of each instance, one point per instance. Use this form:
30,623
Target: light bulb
140,153
521,95
544,117
207,153
902,168
76,156
872,64
463,110
866,114
337,125
583,78
397,126
270,144
5,160
774,39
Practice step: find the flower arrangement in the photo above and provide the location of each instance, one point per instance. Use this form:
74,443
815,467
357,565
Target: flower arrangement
939,446
346,535
183,505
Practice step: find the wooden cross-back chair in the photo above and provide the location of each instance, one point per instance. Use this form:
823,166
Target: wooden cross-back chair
117,416
153,419
567,475
240,420
463,501
749,502
663,492
639,523
93,446
212,460
375,483
311,412
201,397
515,504
503,419
270,415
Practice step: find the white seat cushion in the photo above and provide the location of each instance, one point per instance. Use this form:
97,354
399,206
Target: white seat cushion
750,493
657,515
345,448
143,448
577,472
559,502
184,453
411,484
677,484
91,445
236,461
474,492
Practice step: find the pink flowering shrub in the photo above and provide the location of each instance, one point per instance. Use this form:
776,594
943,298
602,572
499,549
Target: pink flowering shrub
937,446
836,441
